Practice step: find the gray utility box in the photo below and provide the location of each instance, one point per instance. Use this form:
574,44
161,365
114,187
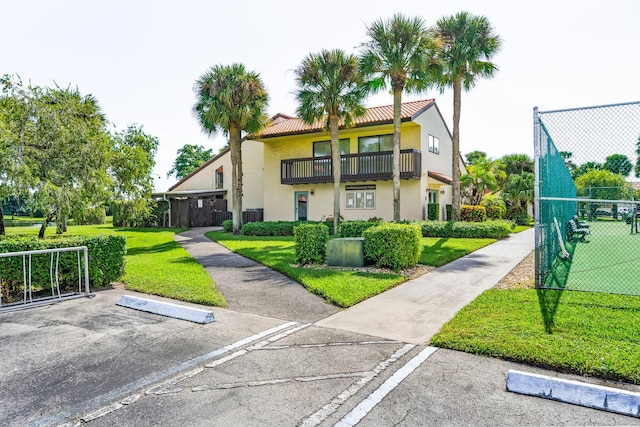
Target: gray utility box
346,252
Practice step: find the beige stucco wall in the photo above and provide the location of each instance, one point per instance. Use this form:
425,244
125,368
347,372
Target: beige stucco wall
253,177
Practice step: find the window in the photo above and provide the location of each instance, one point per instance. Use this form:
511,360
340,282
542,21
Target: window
374,144
322,167
219,178
433,196
434,144
360,197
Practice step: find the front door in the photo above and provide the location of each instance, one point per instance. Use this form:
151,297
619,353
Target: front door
301,205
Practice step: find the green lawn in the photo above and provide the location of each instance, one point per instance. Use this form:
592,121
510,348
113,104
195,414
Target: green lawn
341,287
587,333
155,263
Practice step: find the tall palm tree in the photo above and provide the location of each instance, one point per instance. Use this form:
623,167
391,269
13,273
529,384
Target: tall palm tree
468,45
330,87
231,99
400,52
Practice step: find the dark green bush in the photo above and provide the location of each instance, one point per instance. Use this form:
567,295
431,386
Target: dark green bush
130,213
227,225
354,228
489,229
106,261
394,246
448,211
311,243
473,213
432,211
274,228
495,212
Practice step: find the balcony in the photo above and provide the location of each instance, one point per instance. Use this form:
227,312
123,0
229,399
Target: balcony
354,167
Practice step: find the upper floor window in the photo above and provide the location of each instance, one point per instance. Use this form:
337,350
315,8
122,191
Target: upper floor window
219,178
434,144
323,148
373,144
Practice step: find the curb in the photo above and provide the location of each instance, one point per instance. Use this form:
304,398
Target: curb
167,309
575,392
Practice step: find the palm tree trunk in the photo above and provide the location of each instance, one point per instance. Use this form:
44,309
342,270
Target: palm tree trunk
236,176
397,104
455,148
335,166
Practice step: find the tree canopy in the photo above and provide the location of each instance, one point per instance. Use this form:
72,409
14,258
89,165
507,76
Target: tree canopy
190,157
618,163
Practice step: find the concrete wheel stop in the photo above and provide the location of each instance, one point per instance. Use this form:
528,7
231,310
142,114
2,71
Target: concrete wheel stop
578,393
195,315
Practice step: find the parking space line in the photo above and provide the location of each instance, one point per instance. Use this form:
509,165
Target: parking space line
364,407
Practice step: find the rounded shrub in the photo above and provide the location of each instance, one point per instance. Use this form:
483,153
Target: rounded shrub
495,206
473,213
227,225
311,243
354,228
394,246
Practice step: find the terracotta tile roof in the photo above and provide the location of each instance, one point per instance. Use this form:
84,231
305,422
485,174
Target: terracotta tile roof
286,125
440,177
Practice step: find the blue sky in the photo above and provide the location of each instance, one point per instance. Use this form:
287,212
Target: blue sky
141,58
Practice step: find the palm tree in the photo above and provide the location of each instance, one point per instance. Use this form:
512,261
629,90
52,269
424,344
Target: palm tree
483,175
234,100
330,87
518,191
468,43
400,51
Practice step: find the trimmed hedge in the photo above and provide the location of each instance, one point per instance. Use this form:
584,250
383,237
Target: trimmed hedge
488,229
106,261
473,213
432,211
394,246
227,225
311,243
274,228
355,228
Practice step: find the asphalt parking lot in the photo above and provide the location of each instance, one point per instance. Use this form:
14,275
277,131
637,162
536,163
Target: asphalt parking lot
89,361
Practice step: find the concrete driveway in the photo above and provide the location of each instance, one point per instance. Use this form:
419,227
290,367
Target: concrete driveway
89,361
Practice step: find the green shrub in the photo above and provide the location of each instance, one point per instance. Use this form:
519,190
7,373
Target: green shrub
106,261
90,216
473,213
432,211
354,228
274,228
495,206
130,213
227,225
311,243
448,208
489,229
394,246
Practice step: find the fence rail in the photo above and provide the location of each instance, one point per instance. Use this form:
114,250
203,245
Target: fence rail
28,299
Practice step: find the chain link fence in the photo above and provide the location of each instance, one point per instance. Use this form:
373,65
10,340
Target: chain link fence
587,198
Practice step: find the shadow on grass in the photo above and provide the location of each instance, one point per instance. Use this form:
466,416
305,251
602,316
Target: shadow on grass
549,301
437,255
164,247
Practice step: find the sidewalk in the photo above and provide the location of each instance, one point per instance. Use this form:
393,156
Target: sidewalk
411,312
414,311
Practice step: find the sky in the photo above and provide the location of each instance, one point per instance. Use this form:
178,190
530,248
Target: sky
140,58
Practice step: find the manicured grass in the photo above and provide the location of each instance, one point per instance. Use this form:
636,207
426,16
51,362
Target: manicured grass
343,288
440,251
155,263
591,334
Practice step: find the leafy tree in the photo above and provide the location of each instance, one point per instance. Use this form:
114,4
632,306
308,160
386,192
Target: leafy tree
483,175
190,157
400,52
231,99
566,156
476,156
601,184
468,43
618,163
584,168
517,164
132,163
518,192
330,88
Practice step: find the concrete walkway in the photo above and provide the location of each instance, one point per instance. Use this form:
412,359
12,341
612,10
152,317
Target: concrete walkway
250,287
414,311
411,312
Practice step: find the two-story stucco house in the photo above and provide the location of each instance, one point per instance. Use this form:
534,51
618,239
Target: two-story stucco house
287,168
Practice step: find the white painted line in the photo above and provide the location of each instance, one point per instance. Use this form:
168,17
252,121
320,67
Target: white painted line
167,309
575,392
364,407
320,415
